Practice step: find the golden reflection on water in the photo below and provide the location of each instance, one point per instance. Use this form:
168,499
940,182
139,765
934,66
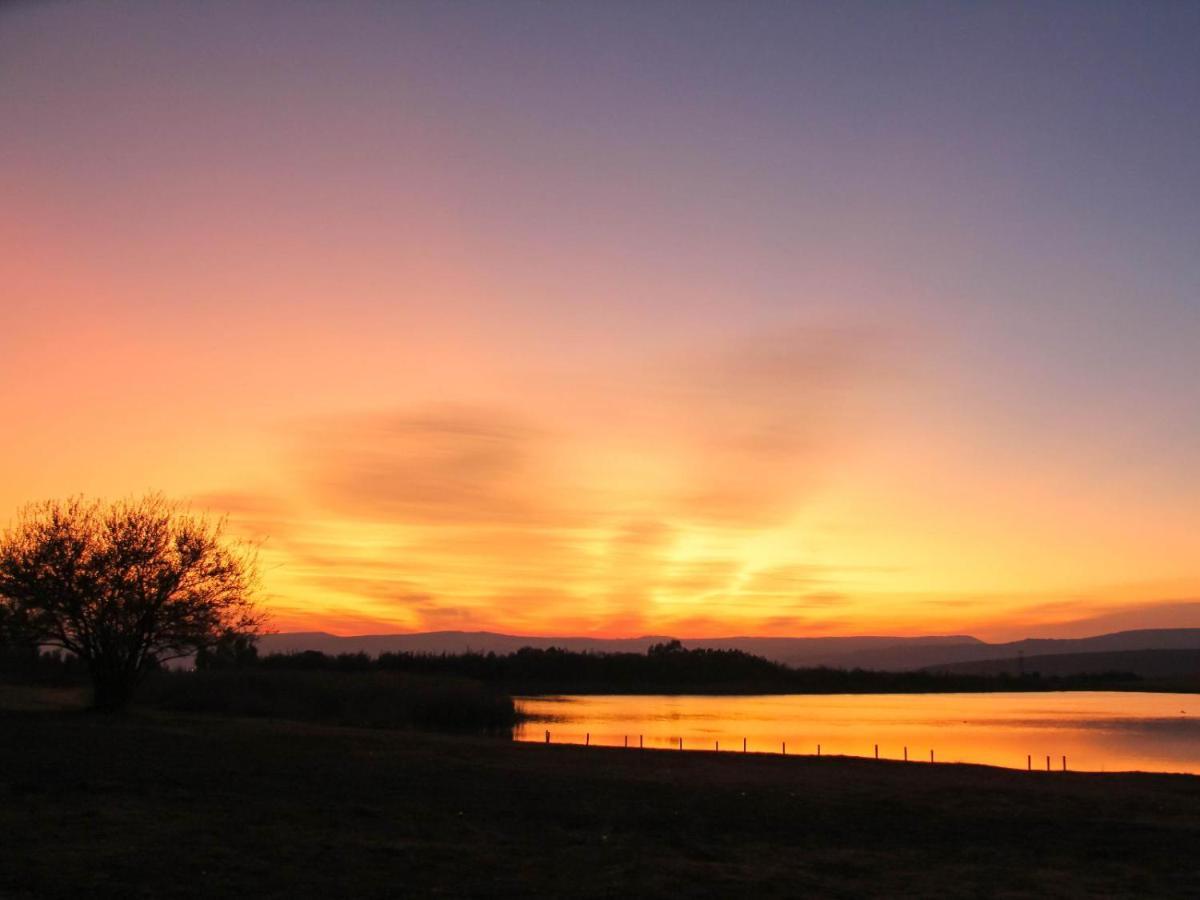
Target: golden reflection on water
1096,730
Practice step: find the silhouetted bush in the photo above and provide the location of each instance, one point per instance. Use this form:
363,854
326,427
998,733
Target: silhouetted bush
231,651
26,665
470,690
671,668
365,698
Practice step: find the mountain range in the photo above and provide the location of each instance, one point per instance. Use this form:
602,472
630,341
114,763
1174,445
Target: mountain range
958,652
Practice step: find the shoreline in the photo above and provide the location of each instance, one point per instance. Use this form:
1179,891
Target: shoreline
517,693
914,761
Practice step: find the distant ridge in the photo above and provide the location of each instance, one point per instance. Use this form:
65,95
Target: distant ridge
868,652
900,657
1143,663
813,651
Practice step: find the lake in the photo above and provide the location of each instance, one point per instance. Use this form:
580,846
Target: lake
1097,731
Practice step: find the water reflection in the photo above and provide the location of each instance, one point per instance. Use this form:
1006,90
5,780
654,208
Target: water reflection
1096,731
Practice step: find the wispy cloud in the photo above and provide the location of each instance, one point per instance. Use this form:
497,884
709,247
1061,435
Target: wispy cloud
489,513
444,463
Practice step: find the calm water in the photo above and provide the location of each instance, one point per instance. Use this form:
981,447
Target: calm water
1096,730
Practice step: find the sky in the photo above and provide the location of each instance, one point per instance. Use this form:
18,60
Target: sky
621,318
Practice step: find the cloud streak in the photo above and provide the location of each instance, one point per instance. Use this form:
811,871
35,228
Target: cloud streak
428,514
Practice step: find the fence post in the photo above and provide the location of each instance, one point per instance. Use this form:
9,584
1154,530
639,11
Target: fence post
1064,764
877,751
1029,761
906,754
681,743
587,739
818,749
547,735
931,755
641,745
1047,763
626,740
743,745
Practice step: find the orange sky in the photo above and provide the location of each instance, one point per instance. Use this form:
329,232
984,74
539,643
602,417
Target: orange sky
569,340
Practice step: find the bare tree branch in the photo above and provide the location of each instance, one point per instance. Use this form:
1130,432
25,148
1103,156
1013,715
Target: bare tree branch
125,586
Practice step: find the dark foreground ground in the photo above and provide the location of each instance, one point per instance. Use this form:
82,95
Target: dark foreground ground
163,806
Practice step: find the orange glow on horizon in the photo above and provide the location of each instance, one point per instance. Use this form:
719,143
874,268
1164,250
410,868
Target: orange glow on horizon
534,330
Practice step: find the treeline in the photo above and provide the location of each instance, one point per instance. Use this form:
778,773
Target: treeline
231,680
28,665
369,699
667,668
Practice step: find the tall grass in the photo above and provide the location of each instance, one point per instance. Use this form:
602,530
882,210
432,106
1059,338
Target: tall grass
371,699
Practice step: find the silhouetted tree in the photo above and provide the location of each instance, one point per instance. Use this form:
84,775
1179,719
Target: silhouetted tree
232,650
673,646
18,654
6,627
124,586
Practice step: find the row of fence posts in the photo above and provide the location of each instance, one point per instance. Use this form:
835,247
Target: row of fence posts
587,742
1029,763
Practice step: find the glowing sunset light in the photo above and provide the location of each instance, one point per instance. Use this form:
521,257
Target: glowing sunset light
621,322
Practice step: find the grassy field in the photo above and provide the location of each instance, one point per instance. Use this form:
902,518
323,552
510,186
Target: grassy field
368,699
165,805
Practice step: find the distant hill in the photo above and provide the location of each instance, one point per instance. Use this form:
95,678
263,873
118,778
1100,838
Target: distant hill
901,657
835,651
793,651
1143,663
868,652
